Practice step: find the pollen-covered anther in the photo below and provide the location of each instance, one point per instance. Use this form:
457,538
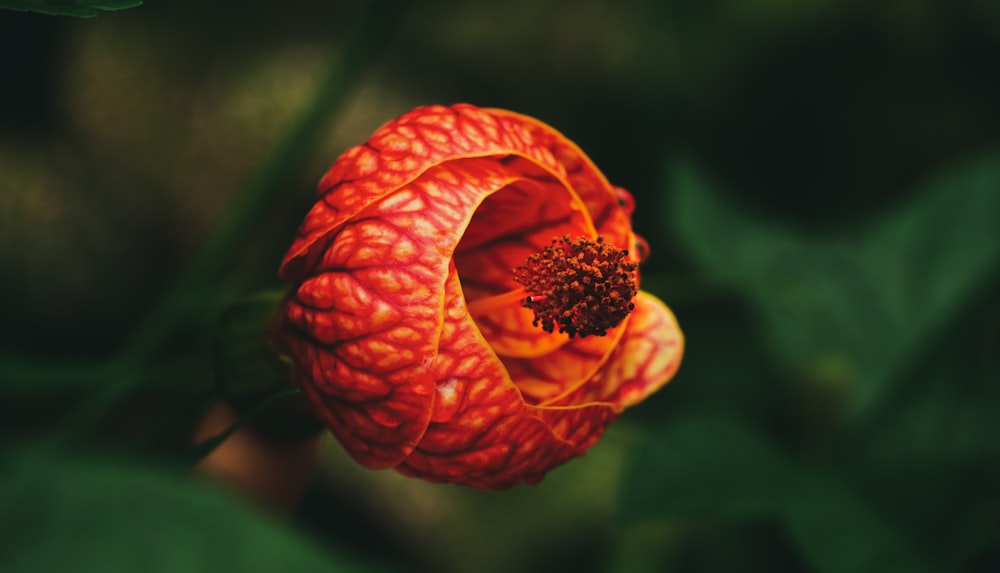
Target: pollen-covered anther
583,286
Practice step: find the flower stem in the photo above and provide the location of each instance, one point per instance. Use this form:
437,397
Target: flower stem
206,446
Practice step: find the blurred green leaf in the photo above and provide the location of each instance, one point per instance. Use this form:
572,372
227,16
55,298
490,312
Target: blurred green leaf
645,547
710,465
944,430
62,515
715,465
839,532
78,8
850,309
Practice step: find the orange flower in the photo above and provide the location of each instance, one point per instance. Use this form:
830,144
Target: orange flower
465,305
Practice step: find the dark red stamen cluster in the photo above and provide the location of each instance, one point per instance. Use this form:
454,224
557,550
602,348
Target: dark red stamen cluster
582,285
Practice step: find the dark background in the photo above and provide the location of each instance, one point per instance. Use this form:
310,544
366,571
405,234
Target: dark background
819,182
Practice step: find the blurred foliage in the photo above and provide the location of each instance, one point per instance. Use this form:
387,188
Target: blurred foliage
729,472
108,516
818,181
80,9
852,305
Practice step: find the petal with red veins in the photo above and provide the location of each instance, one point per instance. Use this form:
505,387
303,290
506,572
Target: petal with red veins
600,198
481,433
581,425
509,327
405,328
507,228
647,357
511,225
546,377
363,327
395,155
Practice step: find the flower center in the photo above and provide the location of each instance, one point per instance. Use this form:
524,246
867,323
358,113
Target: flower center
582,285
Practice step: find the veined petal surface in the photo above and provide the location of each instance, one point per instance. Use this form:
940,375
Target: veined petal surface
405,327
363,325
481,433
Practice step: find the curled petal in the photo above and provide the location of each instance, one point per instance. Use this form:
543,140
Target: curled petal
507,228
509,327
545,367
645,359
564,368
397,154
609,217
512,225
580,425
481,433
406,329
363,327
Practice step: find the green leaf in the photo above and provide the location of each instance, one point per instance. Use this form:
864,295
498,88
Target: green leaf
75,515
715,465
78,8
850,309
